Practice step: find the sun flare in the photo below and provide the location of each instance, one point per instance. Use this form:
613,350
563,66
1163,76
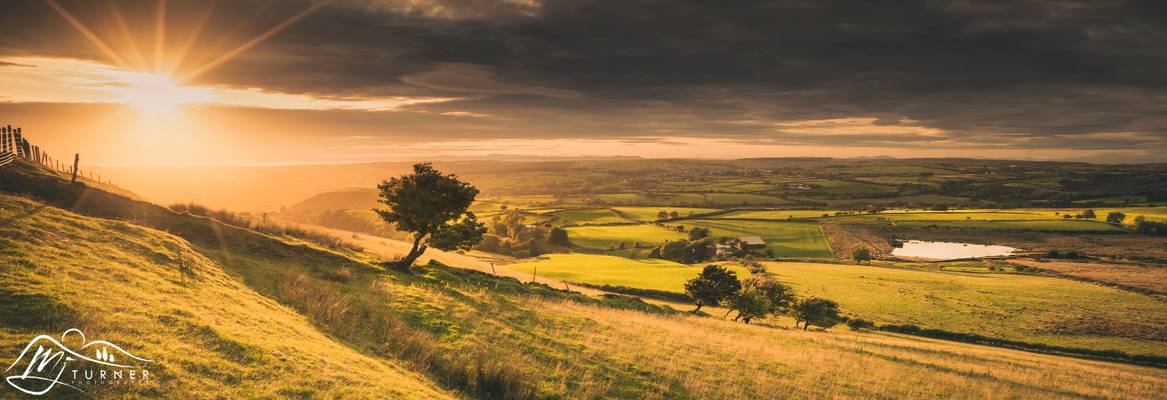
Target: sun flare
157,94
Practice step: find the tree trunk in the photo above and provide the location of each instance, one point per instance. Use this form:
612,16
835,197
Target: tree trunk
806,325
697,309
414,253
726,313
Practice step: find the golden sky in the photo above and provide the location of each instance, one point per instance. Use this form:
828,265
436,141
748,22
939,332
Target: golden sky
153,82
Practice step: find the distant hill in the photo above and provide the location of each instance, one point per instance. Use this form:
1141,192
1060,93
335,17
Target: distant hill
344,199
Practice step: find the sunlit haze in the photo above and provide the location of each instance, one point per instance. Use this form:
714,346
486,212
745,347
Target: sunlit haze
195,83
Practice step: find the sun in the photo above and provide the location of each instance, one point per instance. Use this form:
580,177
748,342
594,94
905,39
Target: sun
155,93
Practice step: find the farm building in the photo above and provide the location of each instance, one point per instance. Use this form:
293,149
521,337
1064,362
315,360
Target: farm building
752,242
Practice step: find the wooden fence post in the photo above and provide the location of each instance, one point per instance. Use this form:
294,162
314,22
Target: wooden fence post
76,159
19,142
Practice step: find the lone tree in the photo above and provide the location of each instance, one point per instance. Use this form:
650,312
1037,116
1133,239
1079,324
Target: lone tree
434,208
713,285
1115,217
861,254
815,311
698,233
558,236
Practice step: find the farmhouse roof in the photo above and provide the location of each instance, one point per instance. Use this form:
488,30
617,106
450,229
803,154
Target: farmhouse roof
752,240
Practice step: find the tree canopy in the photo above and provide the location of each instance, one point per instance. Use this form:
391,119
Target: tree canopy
713,285
815,311
434,208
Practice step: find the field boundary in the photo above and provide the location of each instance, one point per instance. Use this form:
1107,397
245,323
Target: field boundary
1104,355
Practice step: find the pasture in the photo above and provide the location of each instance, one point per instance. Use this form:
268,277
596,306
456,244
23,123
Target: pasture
650,213
785,239
1032,225
648,273
1027,308
604,237
776,215
585,216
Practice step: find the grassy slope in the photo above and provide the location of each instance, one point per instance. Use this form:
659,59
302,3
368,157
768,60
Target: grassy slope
617,271
1019,307
208,334
508,337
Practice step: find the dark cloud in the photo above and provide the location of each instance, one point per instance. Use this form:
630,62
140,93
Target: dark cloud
1040,74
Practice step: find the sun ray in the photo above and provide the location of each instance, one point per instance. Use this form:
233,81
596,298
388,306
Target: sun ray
127,36
160,35
178,58
88,33
254,41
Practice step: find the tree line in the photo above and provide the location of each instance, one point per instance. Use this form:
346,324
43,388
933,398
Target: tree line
757,297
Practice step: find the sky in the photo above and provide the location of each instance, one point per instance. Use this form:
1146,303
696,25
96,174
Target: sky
257,82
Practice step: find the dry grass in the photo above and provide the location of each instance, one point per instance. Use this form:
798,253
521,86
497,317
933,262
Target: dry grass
1147,277
711,358
210,335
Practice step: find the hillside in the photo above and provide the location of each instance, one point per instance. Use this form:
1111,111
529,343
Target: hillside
345,199
274,306
205,331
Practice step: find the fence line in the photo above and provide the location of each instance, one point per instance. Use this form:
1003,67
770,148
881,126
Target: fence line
13,146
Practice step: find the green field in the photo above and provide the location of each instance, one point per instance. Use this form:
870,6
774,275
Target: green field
1037,225
1150,213
776,215
920,199
603,237
586,216
786,239
646,273
845,187
977,215
1020,307
650,213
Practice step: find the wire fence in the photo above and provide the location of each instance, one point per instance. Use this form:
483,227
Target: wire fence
14,145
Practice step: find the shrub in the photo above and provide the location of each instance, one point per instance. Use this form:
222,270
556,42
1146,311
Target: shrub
861,254
857,324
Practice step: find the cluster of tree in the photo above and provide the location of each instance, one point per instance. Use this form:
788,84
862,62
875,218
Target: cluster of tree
511,236
686,251
1143,226
663,215
1115,217
700,247
1088,214
757,297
